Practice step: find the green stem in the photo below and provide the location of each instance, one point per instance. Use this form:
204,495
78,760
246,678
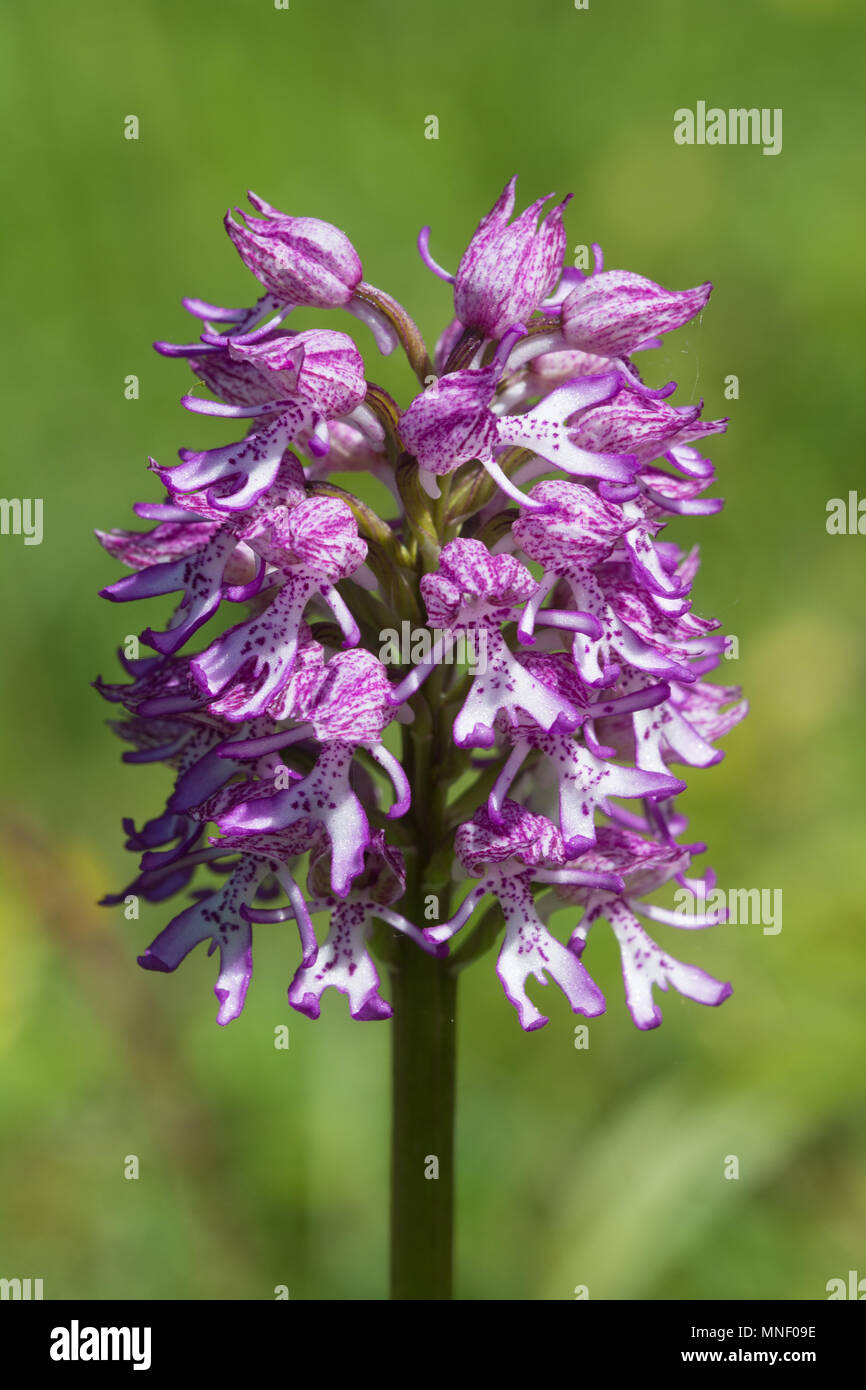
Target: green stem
424,995
424,999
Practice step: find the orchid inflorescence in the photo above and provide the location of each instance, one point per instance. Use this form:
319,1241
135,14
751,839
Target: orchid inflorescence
531,476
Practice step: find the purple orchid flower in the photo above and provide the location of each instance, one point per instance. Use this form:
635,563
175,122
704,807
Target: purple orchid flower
344,962
347,709
299,260
682,728
452,423
518,850
506,270
615,617
311,377
585,778
614,312
224,917
643,866
476,592
608,316
315,544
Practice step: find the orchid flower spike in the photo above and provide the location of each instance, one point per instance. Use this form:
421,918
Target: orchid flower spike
502,675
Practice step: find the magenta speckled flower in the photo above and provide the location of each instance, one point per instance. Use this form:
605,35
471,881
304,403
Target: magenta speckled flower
300,260
508,268
441,722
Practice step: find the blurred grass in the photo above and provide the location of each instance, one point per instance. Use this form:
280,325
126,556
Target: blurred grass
602,1167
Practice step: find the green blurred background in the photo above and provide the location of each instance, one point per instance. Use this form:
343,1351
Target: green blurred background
602,1167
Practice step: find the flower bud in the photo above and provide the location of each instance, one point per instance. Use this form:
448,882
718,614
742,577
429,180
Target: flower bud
613,313
301,260
506,271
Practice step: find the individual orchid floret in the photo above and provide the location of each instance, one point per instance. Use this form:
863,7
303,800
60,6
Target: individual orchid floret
343,962
682,728
476,592
299,260
576,522
647,428
644,865
610,618
511,854
221,568
506,270
348,710
452,423
320,365
313,376
614,313
303,261
608,316
584,776
223,917
315,544
571,520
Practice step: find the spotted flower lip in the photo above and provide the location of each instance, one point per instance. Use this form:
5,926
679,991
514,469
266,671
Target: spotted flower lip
585,775
681,729
615,623
300,260
559,680
222,917
644,867
343,961
510,856
506,270
325,797
476,591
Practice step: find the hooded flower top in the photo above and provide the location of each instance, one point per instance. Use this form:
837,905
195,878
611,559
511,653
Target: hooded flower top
547,691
